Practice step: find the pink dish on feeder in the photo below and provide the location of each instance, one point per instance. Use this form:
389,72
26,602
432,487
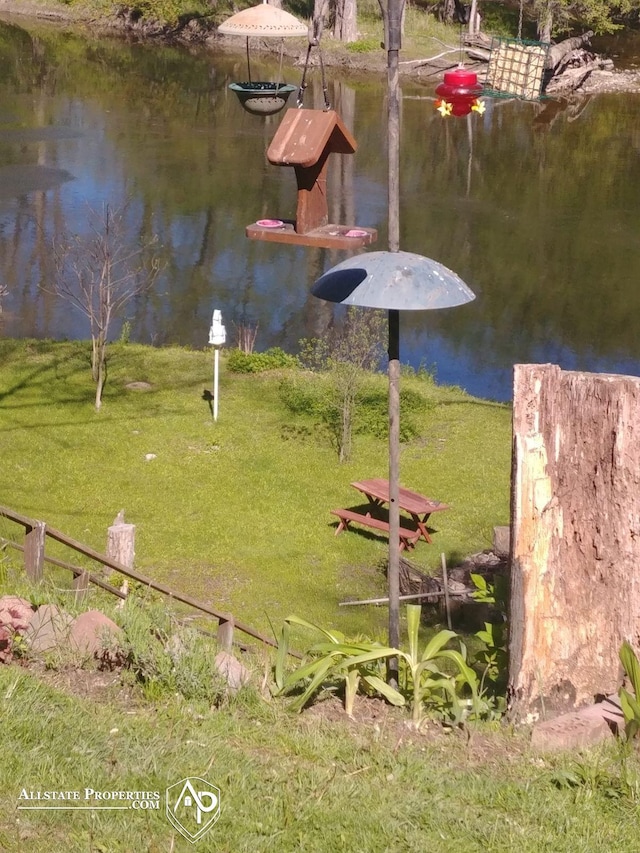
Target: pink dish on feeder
270,223
356,232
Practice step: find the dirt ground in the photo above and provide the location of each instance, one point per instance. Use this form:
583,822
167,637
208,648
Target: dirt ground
371,717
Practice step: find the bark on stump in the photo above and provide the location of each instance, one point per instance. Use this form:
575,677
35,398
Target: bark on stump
121,539
575,533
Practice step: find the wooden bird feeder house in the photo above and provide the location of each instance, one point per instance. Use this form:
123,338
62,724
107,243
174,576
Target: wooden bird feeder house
304,140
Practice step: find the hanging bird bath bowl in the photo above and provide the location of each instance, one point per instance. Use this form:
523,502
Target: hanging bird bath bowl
265,21
262,99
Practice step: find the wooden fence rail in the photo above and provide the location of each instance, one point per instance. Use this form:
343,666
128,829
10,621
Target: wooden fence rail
35,536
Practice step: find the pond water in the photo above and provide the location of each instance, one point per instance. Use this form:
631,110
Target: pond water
535,205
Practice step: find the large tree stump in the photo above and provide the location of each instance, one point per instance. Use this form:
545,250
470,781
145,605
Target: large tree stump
575,531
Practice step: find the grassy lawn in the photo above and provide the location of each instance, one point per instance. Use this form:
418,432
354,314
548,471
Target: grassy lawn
297,783
235,512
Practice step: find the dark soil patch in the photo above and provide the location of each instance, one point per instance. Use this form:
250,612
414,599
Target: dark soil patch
375,719
86,683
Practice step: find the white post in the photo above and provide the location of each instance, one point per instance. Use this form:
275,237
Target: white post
216,353
217,337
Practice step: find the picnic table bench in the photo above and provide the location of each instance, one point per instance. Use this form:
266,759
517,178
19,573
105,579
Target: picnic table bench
408,537
376,491
418,506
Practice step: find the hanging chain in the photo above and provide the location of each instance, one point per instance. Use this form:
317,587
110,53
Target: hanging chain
520,21
315,32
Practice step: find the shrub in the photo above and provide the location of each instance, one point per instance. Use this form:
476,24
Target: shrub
257,362
373,413
302,395
359,665
166,657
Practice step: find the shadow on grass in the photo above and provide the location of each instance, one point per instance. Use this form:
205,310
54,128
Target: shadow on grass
476,401
380,514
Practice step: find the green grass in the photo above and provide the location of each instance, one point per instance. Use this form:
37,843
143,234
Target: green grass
298,783
236,513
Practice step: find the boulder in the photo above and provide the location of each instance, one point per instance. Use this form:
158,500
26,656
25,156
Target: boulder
92,633
15,613
576,730
48,628
230,668
6,641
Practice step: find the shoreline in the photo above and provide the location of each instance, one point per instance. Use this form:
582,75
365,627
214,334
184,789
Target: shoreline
198,34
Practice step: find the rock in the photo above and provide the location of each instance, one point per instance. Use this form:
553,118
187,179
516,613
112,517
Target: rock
501,540
15,613
584,727
94,634
138,386
6,641
230,668
48,628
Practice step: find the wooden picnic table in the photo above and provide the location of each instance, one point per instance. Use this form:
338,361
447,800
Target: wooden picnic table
418,506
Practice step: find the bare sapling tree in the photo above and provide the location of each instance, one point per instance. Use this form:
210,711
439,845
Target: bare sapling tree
353,350
99,273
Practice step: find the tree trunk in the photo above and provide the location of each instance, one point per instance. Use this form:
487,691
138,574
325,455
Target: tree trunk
345,27
575,522
545,25
94,358
121,542
346,429
474,23
100,353
557,52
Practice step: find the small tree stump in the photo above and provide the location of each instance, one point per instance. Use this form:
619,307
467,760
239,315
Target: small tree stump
121,542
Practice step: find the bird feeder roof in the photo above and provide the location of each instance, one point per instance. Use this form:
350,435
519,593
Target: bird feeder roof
303,136
265,21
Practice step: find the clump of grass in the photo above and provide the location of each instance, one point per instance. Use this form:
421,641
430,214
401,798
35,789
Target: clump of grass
166,657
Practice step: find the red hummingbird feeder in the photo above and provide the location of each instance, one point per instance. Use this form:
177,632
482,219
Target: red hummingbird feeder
459,93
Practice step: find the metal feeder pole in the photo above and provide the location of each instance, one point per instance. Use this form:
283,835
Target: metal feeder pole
393,42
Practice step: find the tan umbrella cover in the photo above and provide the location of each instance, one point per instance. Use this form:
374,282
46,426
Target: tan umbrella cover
265,21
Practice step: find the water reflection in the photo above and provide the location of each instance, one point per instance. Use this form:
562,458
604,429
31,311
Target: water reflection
534,205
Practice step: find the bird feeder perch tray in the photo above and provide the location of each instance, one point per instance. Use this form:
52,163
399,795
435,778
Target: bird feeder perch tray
325,237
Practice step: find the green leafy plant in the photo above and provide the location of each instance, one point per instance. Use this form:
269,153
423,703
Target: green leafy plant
492,658
629,702
430,685
359,664
336,660
496,593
